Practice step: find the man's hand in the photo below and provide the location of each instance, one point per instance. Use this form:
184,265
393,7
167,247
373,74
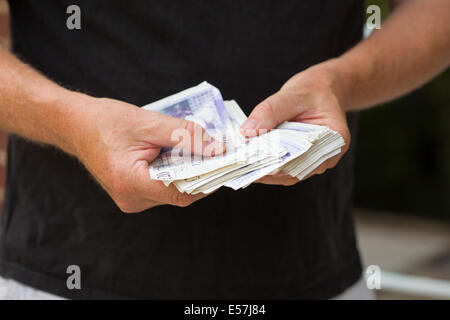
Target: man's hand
364,76
113,139
309,97
116,141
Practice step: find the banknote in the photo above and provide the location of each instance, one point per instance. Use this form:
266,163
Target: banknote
202,104
172,165
293,147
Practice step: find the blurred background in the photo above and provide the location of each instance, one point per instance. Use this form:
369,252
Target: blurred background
402,188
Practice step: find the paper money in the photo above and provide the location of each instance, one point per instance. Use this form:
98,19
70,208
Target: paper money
202,104
293,147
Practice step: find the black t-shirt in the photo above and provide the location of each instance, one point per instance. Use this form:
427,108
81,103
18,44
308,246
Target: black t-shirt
261,242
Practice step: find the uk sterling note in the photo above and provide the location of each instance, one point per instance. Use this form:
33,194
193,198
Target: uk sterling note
295,148
202,104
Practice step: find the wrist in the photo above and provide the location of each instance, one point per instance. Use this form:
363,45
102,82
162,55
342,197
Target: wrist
77,121
65,113
339,81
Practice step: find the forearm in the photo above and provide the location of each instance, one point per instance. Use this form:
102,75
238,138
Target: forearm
412,47
35,107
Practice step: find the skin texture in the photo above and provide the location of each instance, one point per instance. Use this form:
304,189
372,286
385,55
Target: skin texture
115,140
394,60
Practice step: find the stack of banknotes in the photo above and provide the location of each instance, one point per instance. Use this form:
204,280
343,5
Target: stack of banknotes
293,147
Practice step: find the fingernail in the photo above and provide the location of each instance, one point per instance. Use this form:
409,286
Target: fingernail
281,174
249,124
219,147
216,148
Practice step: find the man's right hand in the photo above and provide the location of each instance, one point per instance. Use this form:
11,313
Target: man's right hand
116,141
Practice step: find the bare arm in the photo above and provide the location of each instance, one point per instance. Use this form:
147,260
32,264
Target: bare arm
113,139
412,46
34,107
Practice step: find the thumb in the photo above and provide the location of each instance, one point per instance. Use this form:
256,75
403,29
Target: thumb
269,114
168,131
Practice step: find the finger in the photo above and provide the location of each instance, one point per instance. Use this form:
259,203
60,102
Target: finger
166,131
270,180
269,114
140,206
282,174
136,206
319,170
176,198
156,191
331,163
278,173
274,172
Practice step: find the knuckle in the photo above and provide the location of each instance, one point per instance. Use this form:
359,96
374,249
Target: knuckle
153,125
270,109
344,130
124,180
148,123
125,206
267,107
290,182
183,200
189,126
347,138
331,165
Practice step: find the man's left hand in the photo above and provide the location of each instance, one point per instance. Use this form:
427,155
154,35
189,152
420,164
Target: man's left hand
310,97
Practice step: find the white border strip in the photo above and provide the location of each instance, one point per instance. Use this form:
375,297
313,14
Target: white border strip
415,286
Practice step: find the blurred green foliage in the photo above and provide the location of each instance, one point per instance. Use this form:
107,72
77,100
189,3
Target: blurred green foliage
403,152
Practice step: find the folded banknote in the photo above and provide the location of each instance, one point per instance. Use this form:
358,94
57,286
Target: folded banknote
293,147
